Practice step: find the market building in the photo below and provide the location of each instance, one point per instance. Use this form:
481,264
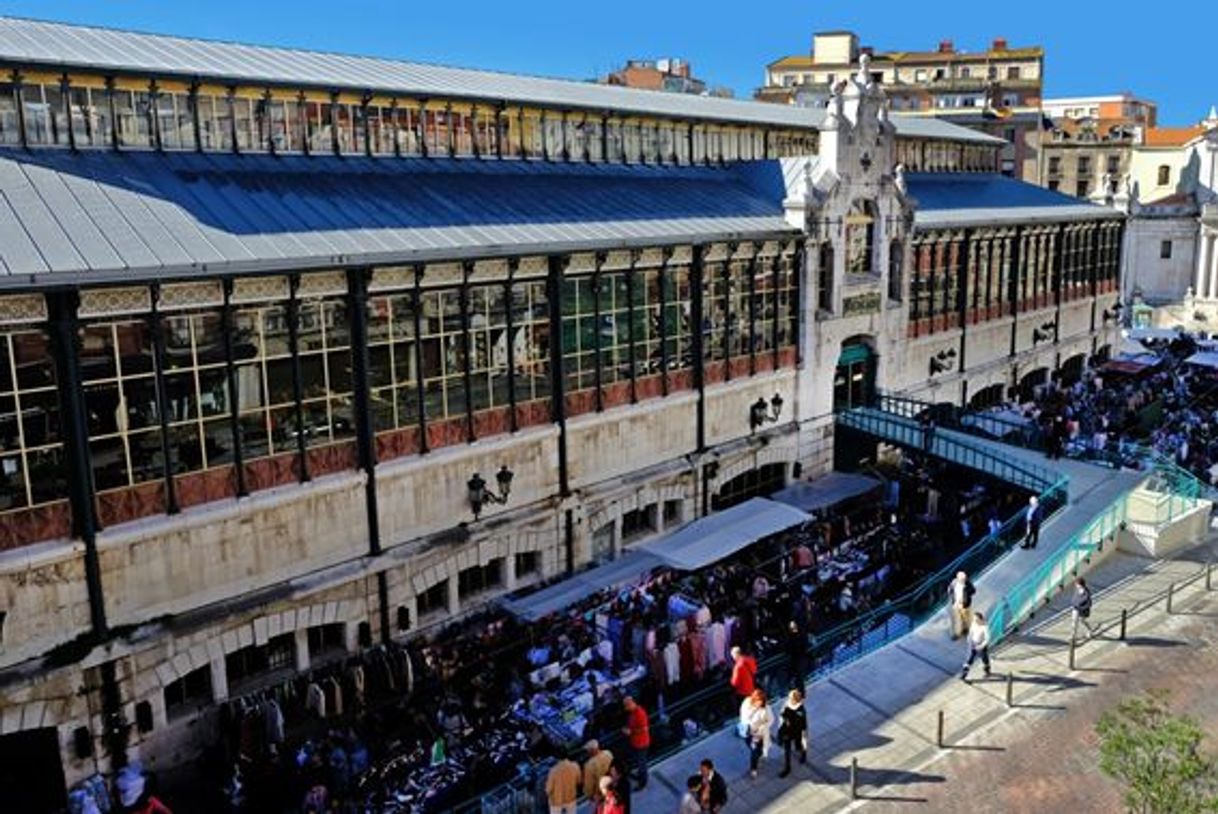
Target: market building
303,353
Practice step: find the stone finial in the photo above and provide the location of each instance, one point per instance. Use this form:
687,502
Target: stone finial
899,179
1211,121
864,74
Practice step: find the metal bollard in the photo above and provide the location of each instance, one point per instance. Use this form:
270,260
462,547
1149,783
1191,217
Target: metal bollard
939,735
854,778
1209,573
1072,646
1010,689
1124,617
1171,590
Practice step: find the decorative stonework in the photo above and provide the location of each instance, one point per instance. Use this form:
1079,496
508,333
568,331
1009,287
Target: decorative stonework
443,274
177,296
395,278
107,302
321,284
861,304
260,289
532,267
22,308
486,270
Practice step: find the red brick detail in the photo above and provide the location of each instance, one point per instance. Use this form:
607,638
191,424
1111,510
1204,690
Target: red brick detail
649,387
332,458
117,506
533,413
20,527
488,423
580,402
615,394
267,473
680,380
765,362
398,443
739,367
446,433
713,372
787,356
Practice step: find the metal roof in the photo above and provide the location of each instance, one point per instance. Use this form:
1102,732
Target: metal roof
59,46
952,199
111,216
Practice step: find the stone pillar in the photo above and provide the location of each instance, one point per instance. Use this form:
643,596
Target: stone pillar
219,680
1212,260
454,598
509,571
1201,285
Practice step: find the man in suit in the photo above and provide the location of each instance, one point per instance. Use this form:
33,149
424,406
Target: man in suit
714,787
1032,520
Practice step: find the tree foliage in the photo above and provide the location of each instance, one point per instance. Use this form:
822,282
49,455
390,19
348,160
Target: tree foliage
1158,756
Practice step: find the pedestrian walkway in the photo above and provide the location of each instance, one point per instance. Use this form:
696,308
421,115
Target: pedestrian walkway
884,709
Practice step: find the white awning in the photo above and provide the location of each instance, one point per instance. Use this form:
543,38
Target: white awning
631,567
1203,359
720,535
696,545
825,491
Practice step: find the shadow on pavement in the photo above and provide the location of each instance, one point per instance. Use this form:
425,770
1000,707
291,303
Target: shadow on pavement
1152,641
1054,683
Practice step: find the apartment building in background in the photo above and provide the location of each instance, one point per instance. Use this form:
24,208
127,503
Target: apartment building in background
671,75
1087,152
996,91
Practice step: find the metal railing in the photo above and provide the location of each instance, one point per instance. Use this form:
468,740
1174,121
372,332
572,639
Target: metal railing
906,430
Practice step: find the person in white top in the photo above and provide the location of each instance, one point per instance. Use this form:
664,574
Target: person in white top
978,645
755,723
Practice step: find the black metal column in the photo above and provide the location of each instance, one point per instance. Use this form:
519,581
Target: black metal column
662,327
467,269
1014,247
964,262
631,317
416,306
297,377
510,327
365,432
157,333
752,338
558,408
695,295
598,373
234,397
727,311
65,337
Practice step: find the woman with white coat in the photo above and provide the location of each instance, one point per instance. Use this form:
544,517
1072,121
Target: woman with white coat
755,723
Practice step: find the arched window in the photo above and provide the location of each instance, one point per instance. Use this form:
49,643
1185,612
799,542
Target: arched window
824,277
1164,175
860,238
896,264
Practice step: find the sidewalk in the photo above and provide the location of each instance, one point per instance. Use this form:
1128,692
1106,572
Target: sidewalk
884,709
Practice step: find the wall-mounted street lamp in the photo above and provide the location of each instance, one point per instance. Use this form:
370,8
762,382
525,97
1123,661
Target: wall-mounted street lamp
479,495
942,361
761,413
1044,333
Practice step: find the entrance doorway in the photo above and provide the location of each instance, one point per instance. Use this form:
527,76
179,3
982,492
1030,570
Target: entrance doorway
760,482
31,773
854,379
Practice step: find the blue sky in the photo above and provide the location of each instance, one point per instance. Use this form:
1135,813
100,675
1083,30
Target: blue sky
1091,47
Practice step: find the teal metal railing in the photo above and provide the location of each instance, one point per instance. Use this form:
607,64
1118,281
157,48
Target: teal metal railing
906,430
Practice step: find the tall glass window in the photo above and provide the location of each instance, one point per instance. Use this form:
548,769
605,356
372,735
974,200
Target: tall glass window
443,355
197,392
325,364
488,346
132,111
579,329
263,364
531,351
31,447
392,367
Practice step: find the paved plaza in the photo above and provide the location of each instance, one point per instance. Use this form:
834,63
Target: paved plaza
1037,755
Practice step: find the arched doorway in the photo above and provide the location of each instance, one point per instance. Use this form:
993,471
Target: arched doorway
1030,381
759,482
1072,369
986,397
854,378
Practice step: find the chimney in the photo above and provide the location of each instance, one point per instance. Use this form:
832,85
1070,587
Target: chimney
946,47
999,44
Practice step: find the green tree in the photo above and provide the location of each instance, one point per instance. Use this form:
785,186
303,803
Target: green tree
1157,755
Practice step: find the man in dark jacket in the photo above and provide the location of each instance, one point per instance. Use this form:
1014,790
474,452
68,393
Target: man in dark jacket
1033,516
797,655
714,788
1080,608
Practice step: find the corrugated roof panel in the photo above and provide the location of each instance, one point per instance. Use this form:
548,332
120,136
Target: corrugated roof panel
62,45
20,255
181,211
88,240
53,243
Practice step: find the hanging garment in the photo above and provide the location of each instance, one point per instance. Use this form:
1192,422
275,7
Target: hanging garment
272,720
315,700
697,644
716,646
672,663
